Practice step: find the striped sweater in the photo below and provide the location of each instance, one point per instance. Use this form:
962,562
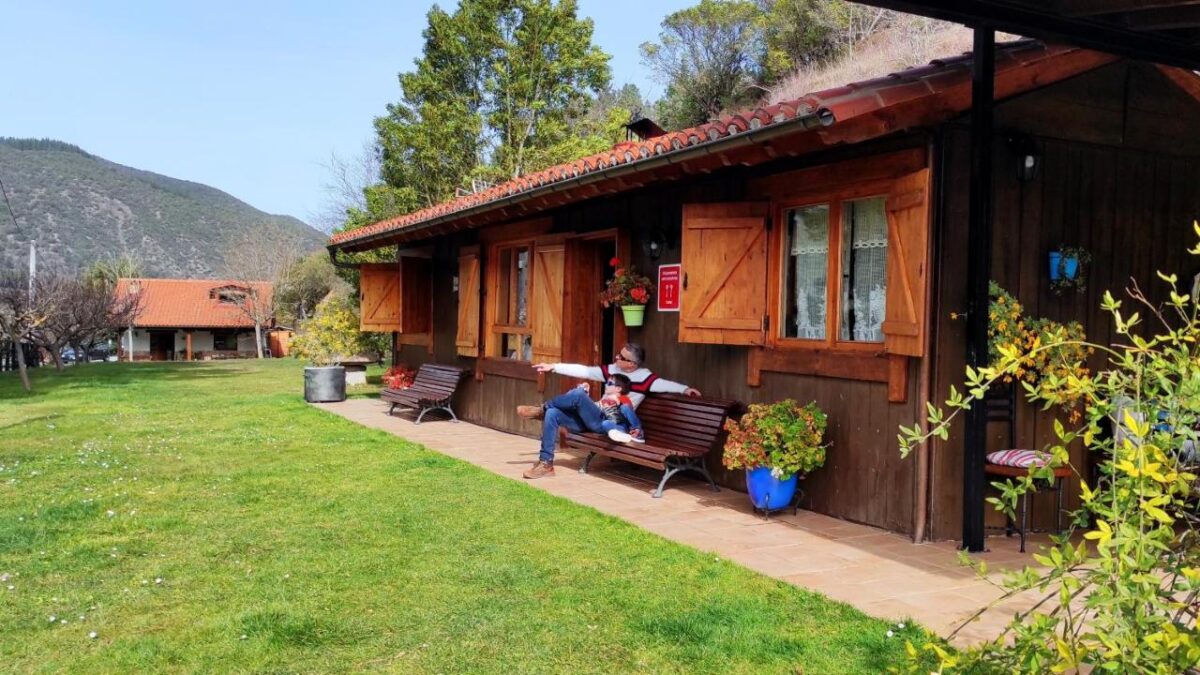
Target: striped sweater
643,379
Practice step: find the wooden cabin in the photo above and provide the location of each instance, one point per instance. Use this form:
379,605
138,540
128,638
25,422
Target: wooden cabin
190,319
822,244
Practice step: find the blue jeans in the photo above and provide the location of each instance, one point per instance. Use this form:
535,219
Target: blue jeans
574,410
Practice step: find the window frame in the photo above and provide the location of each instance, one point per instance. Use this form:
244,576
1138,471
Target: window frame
834,197
494,331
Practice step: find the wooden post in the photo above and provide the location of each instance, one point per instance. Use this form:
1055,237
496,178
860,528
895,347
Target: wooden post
188,335
979,257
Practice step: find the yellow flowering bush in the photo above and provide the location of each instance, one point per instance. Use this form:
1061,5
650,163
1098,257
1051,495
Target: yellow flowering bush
1125,599
330,335
1041,370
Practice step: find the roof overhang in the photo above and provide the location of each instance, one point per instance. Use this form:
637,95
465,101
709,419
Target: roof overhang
1159,31
857,112
573,186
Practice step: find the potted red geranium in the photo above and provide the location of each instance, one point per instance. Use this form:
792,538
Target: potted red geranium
628,290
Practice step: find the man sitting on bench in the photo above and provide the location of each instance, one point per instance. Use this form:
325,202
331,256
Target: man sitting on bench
563,411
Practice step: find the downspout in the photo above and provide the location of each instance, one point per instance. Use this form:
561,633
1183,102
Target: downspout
937,154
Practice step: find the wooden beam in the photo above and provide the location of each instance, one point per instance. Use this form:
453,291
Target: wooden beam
979,256
1076,8
1166,18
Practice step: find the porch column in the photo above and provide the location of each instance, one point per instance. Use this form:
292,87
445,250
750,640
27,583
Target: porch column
188,338
979,259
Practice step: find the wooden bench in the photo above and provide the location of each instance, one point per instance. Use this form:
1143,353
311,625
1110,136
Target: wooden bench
680,432
432,389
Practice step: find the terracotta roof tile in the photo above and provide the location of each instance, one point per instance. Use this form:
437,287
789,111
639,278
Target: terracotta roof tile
842,103
188,303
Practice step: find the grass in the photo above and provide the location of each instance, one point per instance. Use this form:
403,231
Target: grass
201,517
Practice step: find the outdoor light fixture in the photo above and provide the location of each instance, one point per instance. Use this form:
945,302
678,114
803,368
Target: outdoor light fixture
654,244
1029,157
455,283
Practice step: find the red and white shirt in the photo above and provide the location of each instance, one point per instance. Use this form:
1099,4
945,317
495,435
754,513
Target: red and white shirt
643,380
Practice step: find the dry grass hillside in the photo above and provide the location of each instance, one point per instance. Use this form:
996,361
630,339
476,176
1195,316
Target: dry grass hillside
909,41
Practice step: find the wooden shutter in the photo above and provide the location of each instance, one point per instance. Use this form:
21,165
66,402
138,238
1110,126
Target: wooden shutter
907,265
724,298
379,299
467,337
546,319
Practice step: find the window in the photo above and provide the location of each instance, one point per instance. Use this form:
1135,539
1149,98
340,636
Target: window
230,297
224,341
833,257
513,338
857,304
524,299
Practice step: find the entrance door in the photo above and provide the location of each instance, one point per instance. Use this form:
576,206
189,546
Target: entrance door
589,330
162,345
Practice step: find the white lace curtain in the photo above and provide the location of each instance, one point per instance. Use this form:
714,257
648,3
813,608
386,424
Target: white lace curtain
809,258
864,270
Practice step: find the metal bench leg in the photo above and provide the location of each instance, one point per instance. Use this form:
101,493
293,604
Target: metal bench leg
670,471
453,417
674,467
587,462
391,410
423,411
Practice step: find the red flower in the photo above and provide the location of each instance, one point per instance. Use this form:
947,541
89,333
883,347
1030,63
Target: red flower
638,294
620,271
615,262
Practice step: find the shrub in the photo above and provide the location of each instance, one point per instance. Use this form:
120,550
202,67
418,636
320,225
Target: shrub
330,335
399,377
1125,599
783,436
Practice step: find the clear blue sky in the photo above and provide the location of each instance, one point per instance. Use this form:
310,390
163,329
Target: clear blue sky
249,97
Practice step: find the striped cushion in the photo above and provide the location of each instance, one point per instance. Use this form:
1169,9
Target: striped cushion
1022,459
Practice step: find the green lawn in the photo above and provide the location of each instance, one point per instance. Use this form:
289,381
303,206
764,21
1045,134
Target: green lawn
202,517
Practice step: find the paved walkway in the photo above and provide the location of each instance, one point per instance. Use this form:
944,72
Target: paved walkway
881,573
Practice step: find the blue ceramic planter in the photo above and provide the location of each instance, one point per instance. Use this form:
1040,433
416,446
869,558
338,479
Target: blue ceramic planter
768,492
1055,259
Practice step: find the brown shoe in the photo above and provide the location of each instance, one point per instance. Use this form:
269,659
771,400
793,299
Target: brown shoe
531,412
539,469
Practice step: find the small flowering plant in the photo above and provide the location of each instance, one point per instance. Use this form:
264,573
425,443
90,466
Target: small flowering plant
626,287
399,377
784,436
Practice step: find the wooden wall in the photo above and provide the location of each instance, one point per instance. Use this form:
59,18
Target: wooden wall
1120,177
864,479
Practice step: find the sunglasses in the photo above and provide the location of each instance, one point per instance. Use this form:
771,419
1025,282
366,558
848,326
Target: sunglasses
626,359
610,383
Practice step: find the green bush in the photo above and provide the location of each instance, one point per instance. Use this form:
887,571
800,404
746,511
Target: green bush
783,436
1125,599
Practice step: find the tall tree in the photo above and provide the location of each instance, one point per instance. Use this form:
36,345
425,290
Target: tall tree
544,70
710,58
492,97
24,308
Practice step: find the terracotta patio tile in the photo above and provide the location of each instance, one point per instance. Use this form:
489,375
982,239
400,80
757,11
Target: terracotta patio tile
881,573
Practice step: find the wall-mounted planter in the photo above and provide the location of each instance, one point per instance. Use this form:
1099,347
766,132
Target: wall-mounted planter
634,314
1063,267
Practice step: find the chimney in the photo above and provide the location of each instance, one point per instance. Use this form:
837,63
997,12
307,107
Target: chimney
642,128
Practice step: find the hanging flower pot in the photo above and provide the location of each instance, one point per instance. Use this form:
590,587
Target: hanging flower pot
634,314
1068,269
628,290
1055,261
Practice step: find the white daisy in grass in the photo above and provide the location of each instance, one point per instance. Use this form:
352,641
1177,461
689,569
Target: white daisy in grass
92,635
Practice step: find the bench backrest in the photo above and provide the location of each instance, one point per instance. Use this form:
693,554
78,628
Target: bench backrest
438,378
684,422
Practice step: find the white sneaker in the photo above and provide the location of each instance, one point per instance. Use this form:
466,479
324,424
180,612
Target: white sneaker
622,437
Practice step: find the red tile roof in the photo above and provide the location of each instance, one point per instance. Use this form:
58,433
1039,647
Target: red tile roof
189,303
936,91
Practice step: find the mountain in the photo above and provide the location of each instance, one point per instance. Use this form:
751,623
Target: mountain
85,208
